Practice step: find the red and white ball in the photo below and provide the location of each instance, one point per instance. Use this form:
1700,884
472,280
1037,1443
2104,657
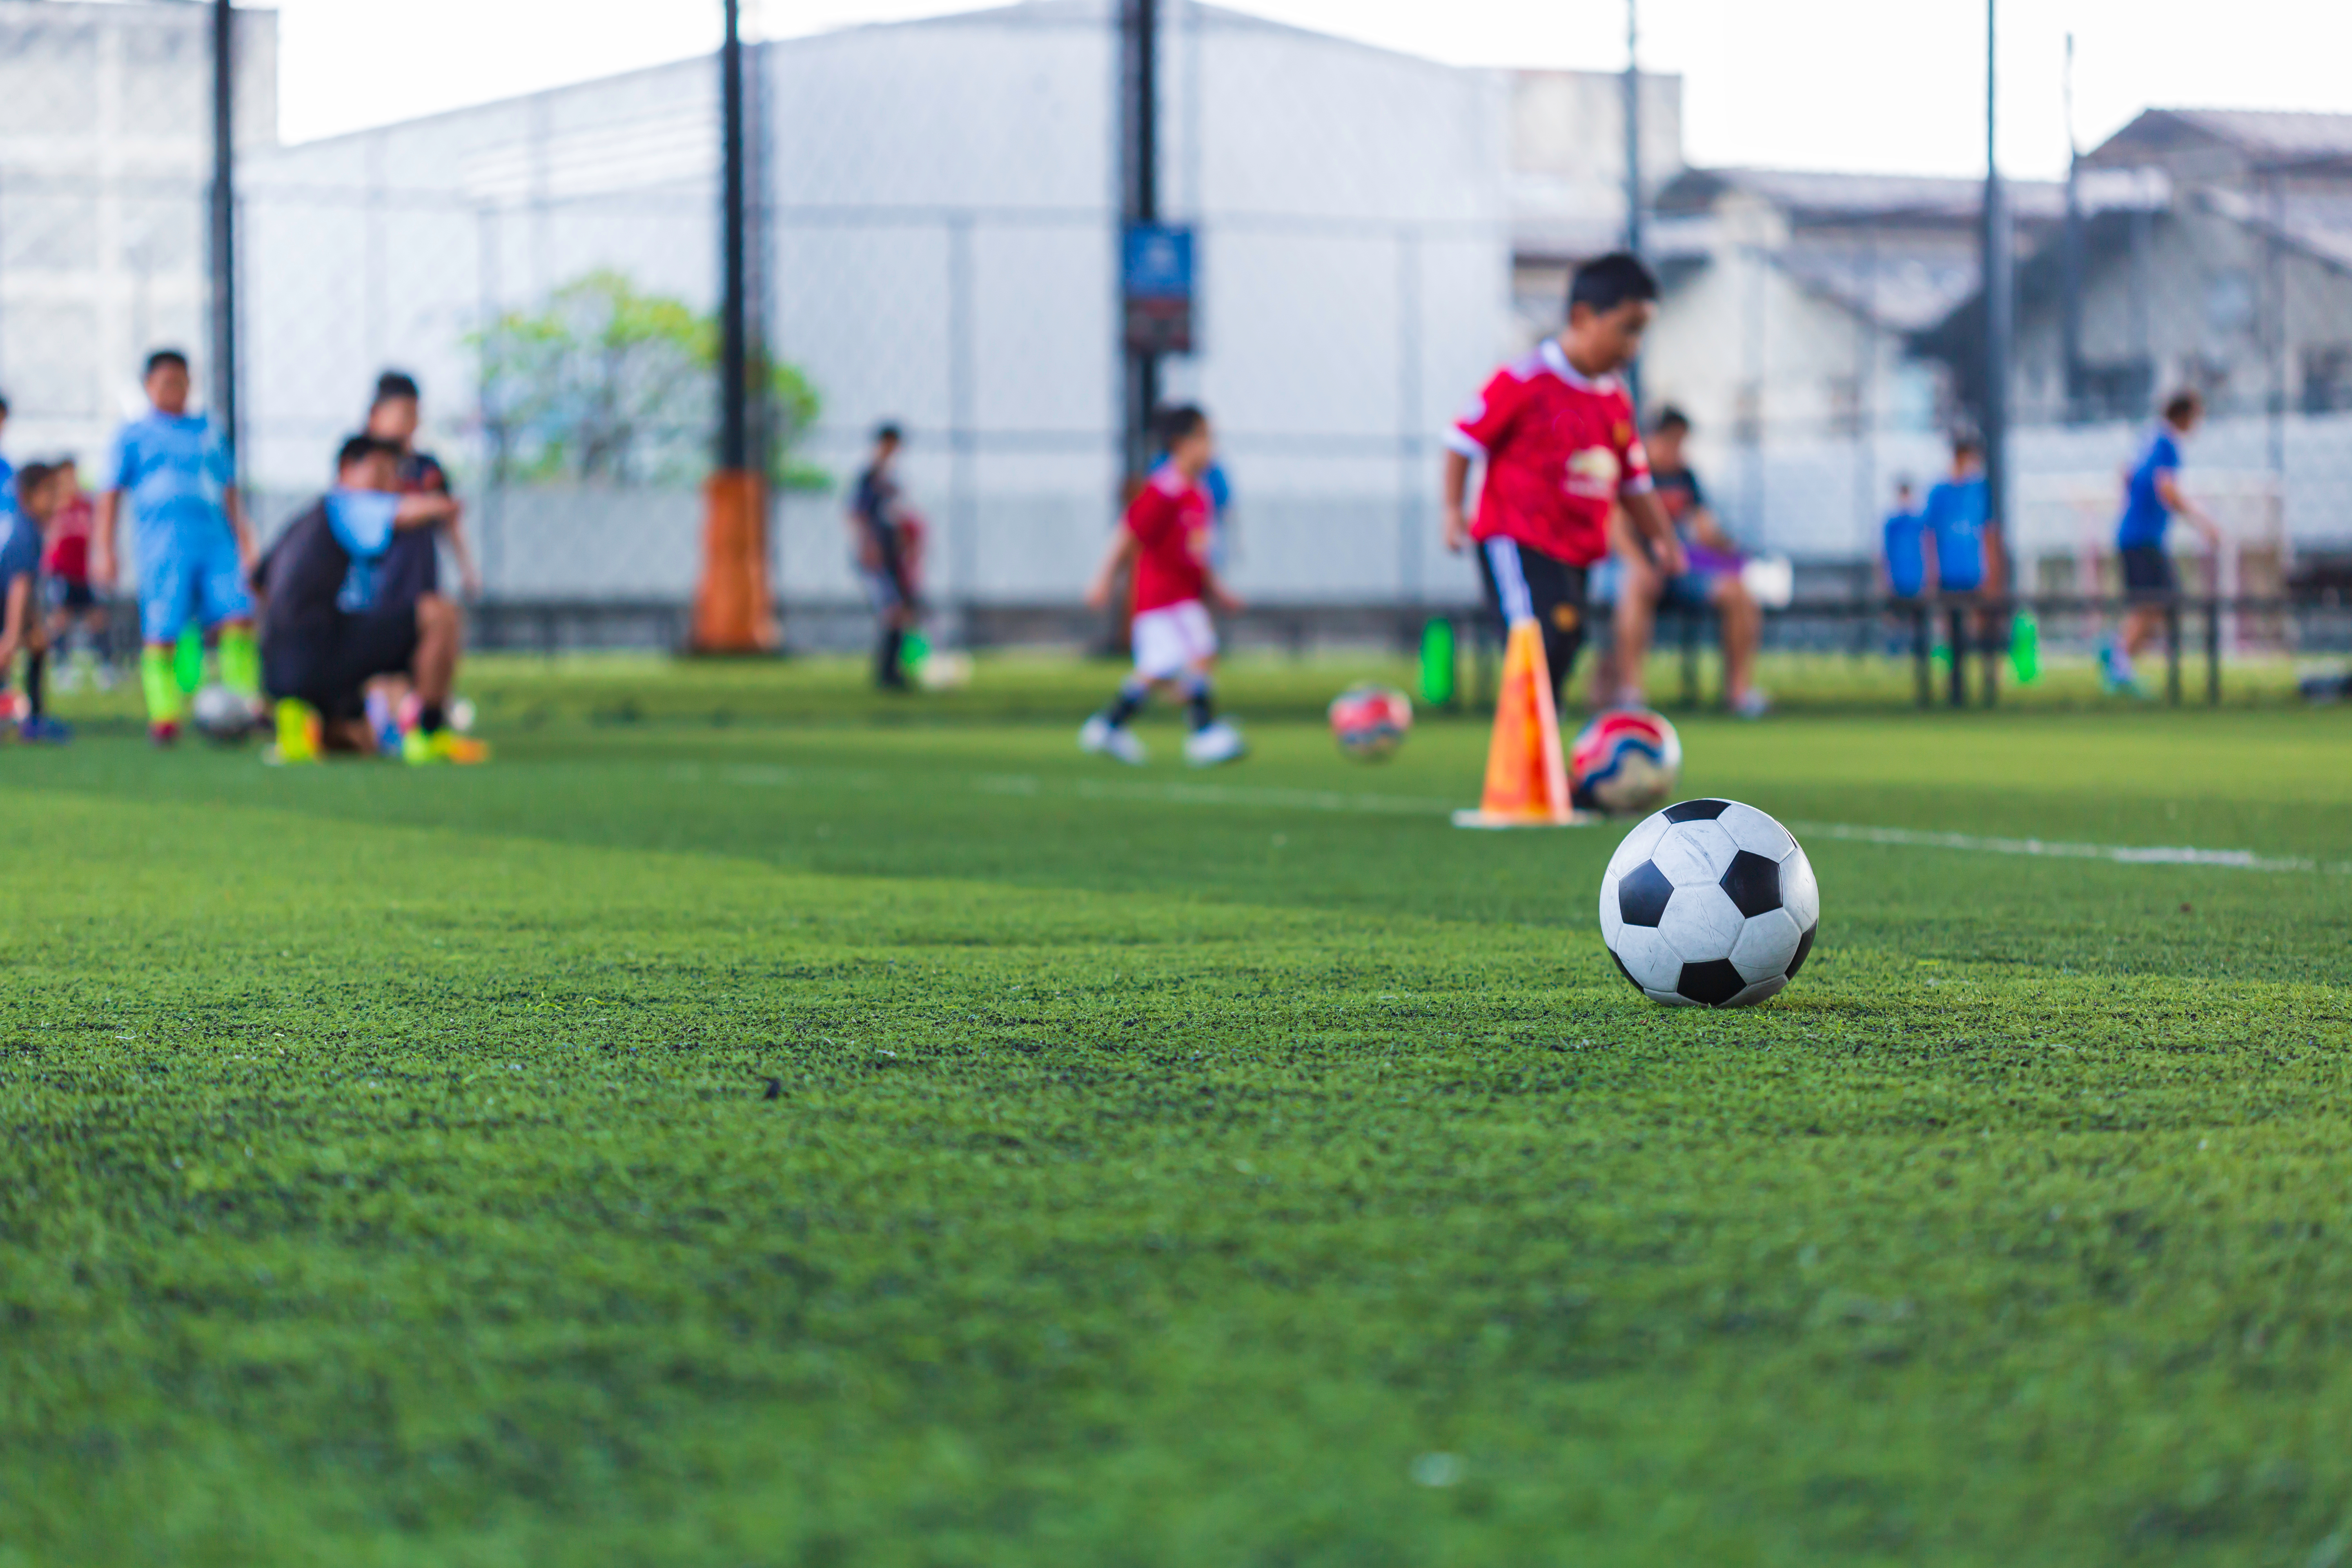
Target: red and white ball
1370,721
1624,763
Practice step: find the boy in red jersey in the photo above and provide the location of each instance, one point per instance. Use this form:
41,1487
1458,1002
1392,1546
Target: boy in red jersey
1556,431
1165,536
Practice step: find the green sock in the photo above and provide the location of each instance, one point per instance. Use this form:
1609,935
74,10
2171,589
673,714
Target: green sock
188,661
162,685
240,661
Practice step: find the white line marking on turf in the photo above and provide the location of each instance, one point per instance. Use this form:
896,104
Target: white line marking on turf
2121,854
1031,787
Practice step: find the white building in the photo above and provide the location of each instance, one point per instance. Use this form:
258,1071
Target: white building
942,236
106,138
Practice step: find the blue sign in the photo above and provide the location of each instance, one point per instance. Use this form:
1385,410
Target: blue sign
1156,280
1158,262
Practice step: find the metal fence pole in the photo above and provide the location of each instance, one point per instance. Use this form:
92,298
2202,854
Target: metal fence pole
224,221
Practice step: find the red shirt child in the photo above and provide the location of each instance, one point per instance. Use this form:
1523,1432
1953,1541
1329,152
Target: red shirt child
1170,520
1560,448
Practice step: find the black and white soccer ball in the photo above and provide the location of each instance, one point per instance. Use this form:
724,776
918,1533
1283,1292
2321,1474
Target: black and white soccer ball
1709,903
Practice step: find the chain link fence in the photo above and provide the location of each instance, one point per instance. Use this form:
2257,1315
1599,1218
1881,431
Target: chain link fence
938,232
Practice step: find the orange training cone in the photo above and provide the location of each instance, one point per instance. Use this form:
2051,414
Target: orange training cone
1526,780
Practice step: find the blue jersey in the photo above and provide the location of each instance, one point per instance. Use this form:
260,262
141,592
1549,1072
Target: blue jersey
1955,514
2146,516
1907,559
363,524
20,548
175,469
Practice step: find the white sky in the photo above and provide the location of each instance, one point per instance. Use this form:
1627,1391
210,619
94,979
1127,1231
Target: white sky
1885,85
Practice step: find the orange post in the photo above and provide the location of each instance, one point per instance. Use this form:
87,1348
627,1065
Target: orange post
732,612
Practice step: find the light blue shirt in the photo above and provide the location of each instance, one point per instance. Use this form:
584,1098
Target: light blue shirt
176,470
363,524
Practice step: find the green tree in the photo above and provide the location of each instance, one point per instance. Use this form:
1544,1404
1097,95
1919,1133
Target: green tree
610,384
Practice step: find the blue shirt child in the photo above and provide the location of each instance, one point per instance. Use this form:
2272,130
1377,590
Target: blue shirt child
1955,514
1907,558
2145,517
175,468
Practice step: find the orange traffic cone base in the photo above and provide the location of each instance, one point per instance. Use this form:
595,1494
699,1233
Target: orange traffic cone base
1526,778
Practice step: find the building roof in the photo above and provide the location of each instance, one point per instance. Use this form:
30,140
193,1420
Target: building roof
2262,136
1824,196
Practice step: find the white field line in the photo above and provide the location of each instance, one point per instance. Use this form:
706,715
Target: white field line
1029,786
2121,854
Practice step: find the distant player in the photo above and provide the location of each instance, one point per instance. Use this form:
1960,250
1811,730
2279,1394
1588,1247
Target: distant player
877,543
1957,525
323,637
74,603
1710,579
1906,552
2151,496
1555,430
189,528
30,497
411,568
1166,538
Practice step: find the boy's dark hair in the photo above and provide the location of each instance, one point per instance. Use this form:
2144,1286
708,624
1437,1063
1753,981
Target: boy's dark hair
1966,443
360,447
1671,418
888,431
4,404
394,384
2183,406
1180,423
1608,281
29,480
161,358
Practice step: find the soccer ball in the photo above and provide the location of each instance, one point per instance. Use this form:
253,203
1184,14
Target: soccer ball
220,714
1625,762
1709,903
1370,721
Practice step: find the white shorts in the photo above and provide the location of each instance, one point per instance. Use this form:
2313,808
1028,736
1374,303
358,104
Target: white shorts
1172,638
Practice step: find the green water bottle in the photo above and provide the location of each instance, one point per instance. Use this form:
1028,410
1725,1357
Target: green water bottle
2025,647
913,651
1437,663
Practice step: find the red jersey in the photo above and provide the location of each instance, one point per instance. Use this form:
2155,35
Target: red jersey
69,553
1169,517
1559,449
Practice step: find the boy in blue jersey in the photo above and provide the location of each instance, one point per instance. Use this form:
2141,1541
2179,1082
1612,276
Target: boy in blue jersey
1907,555
324,636
2151,496
188,525
1956,522
25,509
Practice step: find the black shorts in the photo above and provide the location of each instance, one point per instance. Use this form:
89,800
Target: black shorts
2147,572
1523,582
66,594
329,665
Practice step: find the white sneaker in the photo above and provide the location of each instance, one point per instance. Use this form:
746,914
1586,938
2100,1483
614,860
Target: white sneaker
1105,739
1753,705
1218,742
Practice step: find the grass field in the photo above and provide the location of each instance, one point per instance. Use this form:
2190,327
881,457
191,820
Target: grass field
753,1124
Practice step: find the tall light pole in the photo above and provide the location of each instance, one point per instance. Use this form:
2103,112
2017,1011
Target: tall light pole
1633,161
2000,301
732,610
223,263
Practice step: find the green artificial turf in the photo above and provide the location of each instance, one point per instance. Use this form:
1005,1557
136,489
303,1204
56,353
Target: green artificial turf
752,1123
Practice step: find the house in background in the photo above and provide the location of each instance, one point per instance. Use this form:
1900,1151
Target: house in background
1567,176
